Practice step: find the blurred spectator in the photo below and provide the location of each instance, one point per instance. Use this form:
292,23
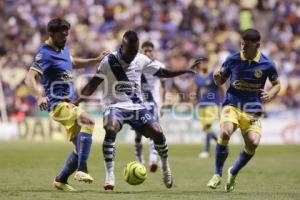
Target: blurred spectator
180,29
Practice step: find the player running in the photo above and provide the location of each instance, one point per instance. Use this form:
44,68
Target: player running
209,95
151,96
122,71
52,67
248,71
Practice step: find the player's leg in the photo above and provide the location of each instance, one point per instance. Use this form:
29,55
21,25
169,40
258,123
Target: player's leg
208,116
61,181
251,139
153,156
227,129
83,144
154,131
113,120
208,136
138,147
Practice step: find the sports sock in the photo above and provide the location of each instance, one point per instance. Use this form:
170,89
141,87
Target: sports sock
220,157
139,153
153,155
84,143
241,162
69,168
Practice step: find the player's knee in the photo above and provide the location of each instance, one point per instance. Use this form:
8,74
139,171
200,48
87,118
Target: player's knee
158,137
253,144
226,133
110,129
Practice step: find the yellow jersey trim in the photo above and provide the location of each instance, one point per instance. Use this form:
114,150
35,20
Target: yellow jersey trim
37,70
49,43
256,58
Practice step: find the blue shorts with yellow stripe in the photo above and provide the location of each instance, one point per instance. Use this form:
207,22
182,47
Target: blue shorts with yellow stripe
67,114
245,121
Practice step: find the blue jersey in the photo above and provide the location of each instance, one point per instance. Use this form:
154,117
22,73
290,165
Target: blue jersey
247,79
55,67
209,91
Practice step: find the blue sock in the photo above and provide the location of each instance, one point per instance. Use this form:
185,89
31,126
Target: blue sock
213,136
84,143
69,168
241,162
207,143
221,155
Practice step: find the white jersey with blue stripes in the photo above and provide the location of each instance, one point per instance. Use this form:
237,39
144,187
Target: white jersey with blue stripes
151,86
122,81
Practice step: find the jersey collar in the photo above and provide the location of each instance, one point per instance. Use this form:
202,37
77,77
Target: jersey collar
49,43
256,58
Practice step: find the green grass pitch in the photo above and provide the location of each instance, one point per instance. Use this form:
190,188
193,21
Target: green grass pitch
28,168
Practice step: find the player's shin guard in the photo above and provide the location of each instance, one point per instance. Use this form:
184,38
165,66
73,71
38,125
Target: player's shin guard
84,143
69,168
241,162
220,157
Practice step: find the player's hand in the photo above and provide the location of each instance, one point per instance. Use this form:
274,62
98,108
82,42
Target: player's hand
219,76
102,55
43,102
266,96
193,68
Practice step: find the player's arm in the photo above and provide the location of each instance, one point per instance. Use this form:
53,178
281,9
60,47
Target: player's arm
267,96
32,80
219,76
166,73
89,88
85,62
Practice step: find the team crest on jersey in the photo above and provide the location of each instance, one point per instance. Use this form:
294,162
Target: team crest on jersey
67,75
258,73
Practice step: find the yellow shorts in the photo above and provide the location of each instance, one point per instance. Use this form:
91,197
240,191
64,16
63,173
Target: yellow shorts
245,121
208,115
67,115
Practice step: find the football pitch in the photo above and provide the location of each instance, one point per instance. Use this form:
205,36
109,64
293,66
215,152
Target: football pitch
27,170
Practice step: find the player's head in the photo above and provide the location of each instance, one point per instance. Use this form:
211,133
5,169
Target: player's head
250,43
148,49
130,46
58,30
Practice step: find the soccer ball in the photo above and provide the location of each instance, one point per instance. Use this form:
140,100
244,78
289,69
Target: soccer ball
135,173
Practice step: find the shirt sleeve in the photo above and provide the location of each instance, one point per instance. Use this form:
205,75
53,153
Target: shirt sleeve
40,63
150,66
103,67
226,68
272,73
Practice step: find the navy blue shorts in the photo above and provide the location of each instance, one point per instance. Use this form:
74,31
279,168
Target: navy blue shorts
139,120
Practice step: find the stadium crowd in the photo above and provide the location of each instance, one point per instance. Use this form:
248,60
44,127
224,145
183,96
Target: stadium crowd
180,29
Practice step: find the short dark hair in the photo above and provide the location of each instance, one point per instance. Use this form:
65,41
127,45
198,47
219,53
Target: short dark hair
130,36
58,24
251,34
147,44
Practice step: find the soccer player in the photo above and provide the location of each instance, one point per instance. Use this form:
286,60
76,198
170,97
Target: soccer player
122,71
52,67
151,96
248,71
208,102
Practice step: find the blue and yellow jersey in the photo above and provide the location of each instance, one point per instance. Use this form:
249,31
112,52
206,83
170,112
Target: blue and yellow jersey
55,67
209,91
247,79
